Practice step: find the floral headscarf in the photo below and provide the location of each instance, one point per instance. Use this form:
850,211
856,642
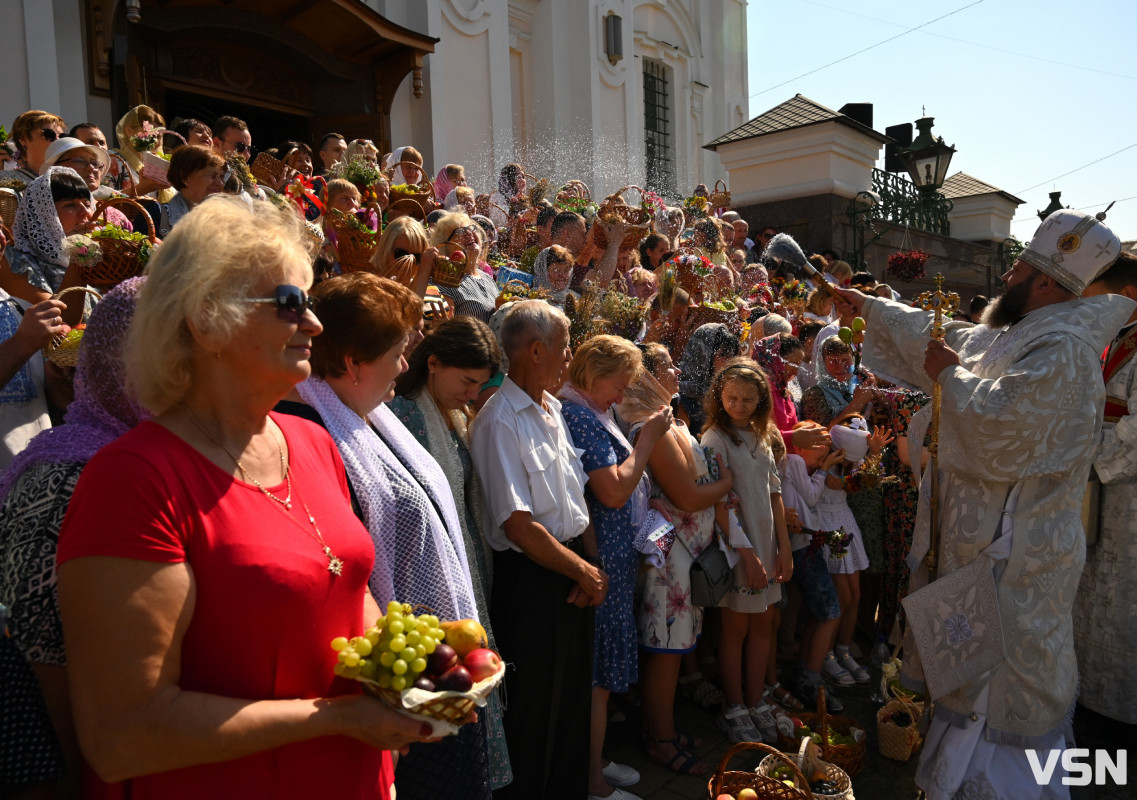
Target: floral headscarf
541,277
103,409
442,186
766,354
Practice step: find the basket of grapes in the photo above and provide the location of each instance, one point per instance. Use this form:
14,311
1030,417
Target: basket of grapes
419,666
824,781
841,739
896,730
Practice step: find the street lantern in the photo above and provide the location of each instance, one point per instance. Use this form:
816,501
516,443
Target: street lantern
927,159
1055,205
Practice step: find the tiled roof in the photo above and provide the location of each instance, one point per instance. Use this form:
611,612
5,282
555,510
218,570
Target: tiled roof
963,185
797,112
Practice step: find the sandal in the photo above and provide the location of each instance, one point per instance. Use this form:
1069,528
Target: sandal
686,740
700,691
682,762
783,697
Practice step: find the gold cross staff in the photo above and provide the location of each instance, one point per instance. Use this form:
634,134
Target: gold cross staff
941,303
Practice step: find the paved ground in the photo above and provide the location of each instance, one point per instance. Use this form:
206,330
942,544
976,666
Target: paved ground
881,778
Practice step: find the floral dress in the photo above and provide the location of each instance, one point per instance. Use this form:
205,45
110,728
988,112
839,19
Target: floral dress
900,500
615,659
666,619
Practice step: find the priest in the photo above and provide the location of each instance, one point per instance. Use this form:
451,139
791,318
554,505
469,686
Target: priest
1105,611
1021,417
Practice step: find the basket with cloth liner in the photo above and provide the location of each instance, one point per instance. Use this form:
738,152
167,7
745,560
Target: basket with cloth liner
813,770
732,782
154,166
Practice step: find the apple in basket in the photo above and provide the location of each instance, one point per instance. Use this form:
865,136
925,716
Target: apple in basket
748,794
458,257
482,663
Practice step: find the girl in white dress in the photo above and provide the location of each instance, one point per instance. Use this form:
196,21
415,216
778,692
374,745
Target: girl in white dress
740,429
860,467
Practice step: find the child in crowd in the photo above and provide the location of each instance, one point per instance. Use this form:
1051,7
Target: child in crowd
804,473
739,428
849,434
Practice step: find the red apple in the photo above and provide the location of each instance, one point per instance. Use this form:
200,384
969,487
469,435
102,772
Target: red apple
443,658
456,679
482,663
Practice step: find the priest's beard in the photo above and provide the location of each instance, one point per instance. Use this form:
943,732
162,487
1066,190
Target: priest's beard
1009,307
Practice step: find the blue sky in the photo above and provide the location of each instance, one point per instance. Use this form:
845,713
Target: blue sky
1026,91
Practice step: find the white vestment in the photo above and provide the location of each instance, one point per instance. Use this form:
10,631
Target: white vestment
1105,611
1021,418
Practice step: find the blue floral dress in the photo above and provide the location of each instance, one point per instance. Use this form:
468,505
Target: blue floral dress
615,659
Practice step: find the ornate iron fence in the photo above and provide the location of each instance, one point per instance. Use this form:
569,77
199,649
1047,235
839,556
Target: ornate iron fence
902,203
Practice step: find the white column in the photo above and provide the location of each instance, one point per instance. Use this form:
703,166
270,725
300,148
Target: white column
43,69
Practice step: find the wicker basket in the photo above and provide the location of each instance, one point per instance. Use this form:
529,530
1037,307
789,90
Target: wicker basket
9,203
569,196
269,170
66,353
447,272
121,259
538,188
811,766
154,166
636,218
849,757
405,207
450,707
897,743
767,788
424,196
720,198
124,176
354,247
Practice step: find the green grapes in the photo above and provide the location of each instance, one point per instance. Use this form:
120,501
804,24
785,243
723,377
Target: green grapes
393,652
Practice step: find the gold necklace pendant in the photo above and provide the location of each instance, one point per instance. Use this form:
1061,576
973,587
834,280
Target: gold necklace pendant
335,565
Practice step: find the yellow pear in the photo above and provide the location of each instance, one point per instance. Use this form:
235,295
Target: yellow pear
464,635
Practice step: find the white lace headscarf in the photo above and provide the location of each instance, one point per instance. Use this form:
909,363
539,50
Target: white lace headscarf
407,505
38,231
397,176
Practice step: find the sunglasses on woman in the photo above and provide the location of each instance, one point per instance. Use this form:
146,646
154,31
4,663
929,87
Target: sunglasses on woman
401,253
291,303
48,135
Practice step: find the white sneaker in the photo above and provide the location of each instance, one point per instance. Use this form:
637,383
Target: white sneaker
735,720
859,673
763,717
834,673
620,774
617,794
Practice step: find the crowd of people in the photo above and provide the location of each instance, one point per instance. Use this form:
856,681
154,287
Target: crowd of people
334,382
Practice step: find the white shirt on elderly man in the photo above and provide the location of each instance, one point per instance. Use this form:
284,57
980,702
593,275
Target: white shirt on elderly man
526,461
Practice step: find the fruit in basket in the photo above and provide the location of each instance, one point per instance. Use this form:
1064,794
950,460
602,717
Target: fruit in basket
725,796
464,635
481,663
455,679
442,659
824,787
748,794
424,683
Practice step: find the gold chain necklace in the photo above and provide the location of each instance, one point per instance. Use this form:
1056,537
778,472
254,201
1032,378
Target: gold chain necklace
335,564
